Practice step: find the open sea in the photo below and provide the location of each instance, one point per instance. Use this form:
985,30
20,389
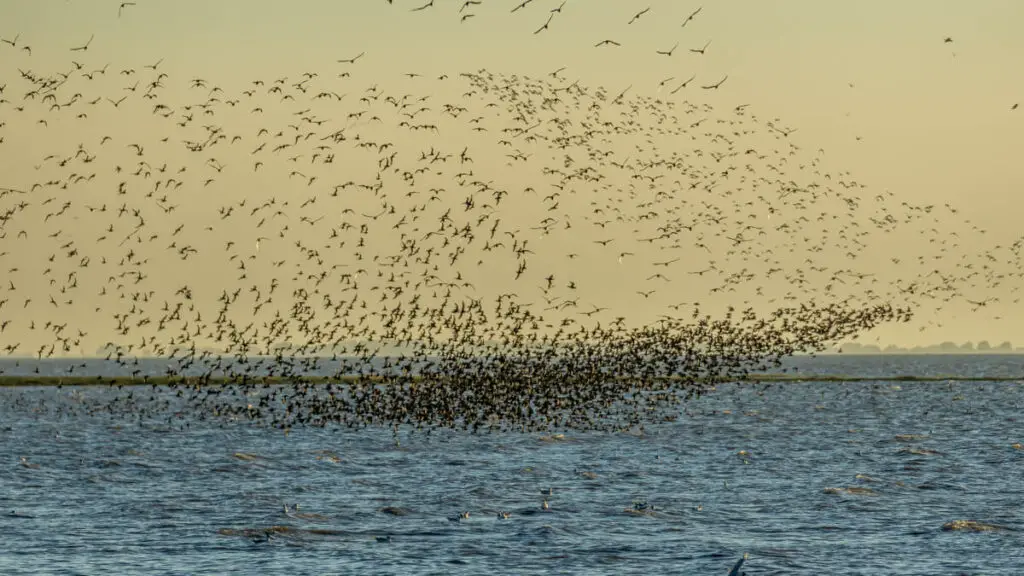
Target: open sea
815,478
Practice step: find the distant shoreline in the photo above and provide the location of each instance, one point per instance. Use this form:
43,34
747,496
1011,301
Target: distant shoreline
225,356
10,381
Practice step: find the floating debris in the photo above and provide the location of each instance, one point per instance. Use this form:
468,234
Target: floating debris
971,526
852,490
395,511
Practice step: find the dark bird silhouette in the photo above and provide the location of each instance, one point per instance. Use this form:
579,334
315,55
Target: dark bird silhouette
638,15
85,46
684,84
545,25
352,60
669,51
716,85
701,49
691,16
521,5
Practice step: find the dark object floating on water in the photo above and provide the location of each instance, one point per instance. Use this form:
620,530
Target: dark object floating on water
971,526
920,451
641,508
854,490
736,567
394,511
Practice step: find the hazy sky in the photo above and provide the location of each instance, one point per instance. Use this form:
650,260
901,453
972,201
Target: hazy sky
872,83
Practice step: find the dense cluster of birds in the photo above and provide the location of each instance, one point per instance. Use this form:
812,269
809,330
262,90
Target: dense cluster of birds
494,251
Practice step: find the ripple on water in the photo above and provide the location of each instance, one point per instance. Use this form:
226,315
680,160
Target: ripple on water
804,478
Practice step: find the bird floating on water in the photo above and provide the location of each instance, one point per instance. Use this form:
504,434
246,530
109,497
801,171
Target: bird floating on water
736,567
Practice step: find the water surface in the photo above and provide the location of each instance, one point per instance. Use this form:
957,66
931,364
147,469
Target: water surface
741,470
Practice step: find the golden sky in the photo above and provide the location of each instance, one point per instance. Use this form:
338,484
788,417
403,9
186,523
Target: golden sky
872,84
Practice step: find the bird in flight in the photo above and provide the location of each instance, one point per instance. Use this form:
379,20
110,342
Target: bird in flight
521,5
639,14
123,5
691,16
717,84
351,60
683,85
948,40
83,47
621,94
668,52
424,7
607,43
545,26
701,50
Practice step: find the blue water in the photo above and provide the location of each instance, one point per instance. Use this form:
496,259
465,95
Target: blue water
115,494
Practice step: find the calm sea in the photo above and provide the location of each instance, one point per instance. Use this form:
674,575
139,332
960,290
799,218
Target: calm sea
742,470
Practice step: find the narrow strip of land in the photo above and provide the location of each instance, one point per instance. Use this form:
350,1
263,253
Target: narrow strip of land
15,381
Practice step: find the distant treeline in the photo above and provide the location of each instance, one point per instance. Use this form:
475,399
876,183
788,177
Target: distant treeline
982,347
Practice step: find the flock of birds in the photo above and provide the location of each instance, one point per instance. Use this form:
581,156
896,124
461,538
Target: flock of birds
480,251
